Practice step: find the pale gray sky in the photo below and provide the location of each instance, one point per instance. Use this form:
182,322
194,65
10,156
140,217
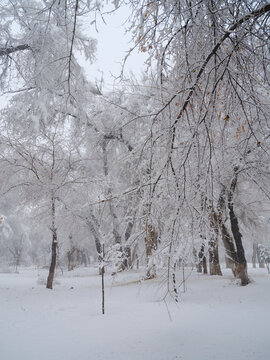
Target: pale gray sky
113,44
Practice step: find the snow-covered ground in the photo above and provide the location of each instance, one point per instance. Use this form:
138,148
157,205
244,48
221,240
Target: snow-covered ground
215,319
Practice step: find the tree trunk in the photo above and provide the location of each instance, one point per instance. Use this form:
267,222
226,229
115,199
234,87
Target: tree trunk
231,257
70,262
70,256
260,255
204,263
127,249
126,259
227,262
54,247
241,265
214,266
202,260
134,257
95,234
18,260
196,261
254,255
150,246
53,263
102,281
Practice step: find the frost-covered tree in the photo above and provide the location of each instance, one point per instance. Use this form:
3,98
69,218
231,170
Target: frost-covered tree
211,130
44,168
162,163
39,45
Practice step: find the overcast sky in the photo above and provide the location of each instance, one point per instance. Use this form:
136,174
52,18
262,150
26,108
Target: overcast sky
113,44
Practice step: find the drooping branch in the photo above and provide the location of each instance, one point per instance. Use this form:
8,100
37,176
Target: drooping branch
72,44
254,14
119,137
4,51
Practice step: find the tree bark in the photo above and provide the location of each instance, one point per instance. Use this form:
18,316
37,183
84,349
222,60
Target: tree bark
202,265
54,247
241,265
102,281
231,255
127,249
214,265
126,254
5,51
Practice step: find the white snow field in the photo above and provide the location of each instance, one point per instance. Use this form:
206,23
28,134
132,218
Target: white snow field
215,319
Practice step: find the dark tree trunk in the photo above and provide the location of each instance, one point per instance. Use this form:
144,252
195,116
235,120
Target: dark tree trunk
202,260
53,262
127,249
241,265
54,247
196,261
102,281
204,264
5,51
214,266
126,258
